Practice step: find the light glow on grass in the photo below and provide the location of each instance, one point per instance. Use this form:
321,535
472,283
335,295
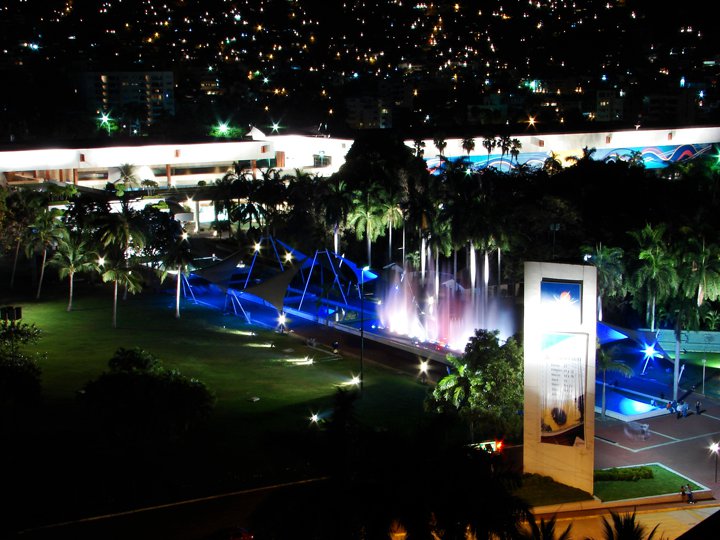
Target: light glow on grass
306,361
354,381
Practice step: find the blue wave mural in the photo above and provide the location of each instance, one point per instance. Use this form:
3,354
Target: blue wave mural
654,157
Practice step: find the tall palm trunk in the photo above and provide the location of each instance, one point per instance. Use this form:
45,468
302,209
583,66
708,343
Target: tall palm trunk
177,293
369,248
115,298
437,273
71,277
472,266
127,246
652,320
42,274
455,252
390,257
15,260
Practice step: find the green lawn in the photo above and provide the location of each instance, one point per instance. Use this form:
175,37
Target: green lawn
539,490
235,360
247,442
663,482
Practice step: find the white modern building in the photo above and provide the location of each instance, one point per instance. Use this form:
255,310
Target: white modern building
184,165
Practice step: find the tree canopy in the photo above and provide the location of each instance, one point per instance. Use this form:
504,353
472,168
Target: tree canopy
485,386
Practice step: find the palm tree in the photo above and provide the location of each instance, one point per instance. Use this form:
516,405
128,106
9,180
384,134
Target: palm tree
419,147
545,530
505,143
223,195
701,270
337,203
72,256
515,146
46,230
440,143
392,215
489,143
585,159
249,209
120,231
607,361
178,257
635,159
468,144
455,390
552,164
271,193
366,219
610,272
120,275
626,527
22,206
657,274
128,179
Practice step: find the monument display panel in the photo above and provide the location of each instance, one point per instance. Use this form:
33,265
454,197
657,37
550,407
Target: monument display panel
562,400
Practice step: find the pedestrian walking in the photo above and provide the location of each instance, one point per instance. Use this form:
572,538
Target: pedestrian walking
698,407
684,409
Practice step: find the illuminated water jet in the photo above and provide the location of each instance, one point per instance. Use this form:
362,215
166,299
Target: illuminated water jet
432,307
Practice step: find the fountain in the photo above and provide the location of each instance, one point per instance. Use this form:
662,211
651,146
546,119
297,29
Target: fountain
430,306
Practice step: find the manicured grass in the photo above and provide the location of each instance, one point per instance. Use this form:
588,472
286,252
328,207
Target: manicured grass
538,490
663,482
235,360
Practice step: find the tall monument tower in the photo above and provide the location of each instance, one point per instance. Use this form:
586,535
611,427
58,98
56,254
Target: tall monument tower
559,341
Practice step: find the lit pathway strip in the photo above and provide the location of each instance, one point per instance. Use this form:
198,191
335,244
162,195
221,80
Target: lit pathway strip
668,443
666,436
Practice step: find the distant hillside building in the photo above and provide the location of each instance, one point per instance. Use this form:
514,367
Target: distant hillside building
140,97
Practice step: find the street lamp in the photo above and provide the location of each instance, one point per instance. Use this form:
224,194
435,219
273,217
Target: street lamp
362,324
715,449
423,367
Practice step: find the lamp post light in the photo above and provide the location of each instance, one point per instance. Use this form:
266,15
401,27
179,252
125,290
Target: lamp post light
715,449
362,324
423,367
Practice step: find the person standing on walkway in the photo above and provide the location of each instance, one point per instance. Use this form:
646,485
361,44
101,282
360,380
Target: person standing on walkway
684,409
698,407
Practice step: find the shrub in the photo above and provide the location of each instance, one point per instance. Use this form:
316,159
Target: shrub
624,474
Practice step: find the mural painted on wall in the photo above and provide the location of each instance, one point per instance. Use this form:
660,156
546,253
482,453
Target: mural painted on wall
653,157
